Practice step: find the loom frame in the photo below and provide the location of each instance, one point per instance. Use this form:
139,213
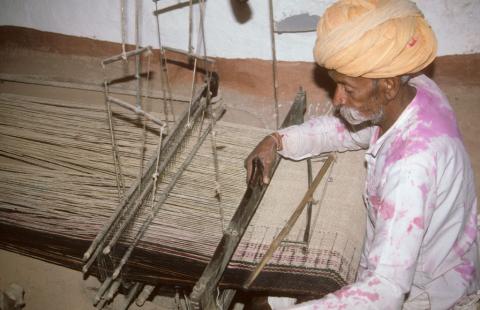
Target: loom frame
204,291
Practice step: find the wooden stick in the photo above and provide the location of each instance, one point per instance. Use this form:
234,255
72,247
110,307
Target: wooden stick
101,291
137,110
306,235
146,292
227,298
128,54
204,290
189,54
37,80
291,221
113,289
274,64
131,295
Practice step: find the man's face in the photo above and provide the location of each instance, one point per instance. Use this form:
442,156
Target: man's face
357,99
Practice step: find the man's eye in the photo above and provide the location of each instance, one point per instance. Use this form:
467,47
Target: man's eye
348,90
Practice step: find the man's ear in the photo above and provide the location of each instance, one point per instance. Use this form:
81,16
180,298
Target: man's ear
390,87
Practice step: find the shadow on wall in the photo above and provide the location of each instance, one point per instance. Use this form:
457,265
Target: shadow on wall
241,10
429,70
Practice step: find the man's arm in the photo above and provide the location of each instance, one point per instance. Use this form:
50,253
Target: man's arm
319,135
402,217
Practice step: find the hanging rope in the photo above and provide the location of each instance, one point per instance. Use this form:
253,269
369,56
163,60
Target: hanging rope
218,189
190,26
155,174
189,125
106,261
201,30
208,73
144,124
116,156
123,26
138,69
274,65
164,79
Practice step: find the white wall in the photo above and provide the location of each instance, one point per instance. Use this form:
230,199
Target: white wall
456,23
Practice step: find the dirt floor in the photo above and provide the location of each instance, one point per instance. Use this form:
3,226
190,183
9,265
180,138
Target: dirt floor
52,287
48,286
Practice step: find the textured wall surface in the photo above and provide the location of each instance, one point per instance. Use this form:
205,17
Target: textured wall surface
233,30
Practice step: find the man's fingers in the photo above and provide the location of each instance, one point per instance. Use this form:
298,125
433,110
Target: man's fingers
267,166
265,154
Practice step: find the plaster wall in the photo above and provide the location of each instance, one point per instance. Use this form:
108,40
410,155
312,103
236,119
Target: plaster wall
233,30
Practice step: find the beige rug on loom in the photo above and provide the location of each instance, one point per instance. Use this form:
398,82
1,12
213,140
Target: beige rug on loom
337,222
57,180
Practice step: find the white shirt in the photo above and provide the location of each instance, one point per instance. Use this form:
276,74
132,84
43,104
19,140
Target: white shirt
422,209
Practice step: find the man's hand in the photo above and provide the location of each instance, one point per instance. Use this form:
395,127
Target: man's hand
266,153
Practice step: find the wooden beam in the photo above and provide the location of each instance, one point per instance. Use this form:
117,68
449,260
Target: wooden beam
203,292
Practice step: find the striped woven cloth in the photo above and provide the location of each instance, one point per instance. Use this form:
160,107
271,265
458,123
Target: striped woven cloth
57,189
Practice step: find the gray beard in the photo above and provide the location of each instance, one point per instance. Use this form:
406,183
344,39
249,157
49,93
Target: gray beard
354,117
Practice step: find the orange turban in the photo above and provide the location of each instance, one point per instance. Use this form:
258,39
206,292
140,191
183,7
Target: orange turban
374,38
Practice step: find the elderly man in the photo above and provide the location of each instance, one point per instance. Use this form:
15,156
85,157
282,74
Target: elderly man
420,250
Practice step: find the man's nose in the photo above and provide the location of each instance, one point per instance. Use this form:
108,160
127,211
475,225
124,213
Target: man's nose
339,98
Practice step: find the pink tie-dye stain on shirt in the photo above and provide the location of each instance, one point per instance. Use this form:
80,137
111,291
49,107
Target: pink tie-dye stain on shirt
471,227
459,250
432,119
373,282
349,292
404,147
340,131
329,305
469,236
416,222
424,189
384,208
466,270
436,117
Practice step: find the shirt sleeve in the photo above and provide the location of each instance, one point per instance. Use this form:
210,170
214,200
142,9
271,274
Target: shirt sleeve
403,209
320,135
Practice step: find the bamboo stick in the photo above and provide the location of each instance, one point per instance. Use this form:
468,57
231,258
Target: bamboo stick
131,295
137,110
122,56
38,80
189,54
291,221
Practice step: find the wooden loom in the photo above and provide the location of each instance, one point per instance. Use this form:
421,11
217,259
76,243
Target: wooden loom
178,222
57,190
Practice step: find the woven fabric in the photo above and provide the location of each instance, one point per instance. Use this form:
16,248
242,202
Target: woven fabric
337,224
57,185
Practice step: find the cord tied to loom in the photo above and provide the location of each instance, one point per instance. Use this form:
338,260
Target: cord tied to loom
218,192
123,30
156,174
138,110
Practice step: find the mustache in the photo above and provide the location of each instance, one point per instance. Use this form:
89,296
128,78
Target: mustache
355,117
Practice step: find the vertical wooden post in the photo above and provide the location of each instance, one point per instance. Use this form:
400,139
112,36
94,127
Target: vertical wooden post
204,291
